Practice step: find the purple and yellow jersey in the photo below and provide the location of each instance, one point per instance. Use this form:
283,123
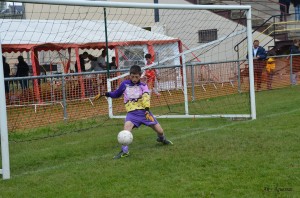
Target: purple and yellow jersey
136,96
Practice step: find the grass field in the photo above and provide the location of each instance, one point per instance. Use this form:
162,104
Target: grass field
209,158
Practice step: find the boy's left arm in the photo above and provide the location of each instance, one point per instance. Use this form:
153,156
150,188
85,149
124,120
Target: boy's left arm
148,115
146,103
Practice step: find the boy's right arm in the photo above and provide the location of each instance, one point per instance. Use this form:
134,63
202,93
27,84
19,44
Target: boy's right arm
117,93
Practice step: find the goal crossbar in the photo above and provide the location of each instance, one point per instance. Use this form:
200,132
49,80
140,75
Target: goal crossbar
137,5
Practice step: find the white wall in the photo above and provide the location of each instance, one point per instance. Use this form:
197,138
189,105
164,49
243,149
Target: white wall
172,23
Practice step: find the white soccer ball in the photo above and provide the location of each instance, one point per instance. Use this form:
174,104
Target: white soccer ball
125,137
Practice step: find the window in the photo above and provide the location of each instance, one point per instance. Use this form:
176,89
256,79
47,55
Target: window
147,28
206,36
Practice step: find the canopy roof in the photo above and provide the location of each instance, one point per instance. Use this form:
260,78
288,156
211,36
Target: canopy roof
24,35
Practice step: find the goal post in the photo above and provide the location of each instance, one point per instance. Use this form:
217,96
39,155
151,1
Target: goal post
251,66
5,170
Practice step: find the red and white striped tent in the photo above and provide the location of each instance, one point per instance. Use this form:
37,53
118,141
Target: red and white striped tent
18,35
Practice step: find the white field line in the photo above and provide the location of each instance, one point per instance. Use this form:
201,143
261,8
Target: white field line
197,131
109,155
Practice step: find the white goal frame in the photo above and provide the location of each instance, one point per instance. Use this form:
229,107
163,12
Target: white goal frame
5,171
252,114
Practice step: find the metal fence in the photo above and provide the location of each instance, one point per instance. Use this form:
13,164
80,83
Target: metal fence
35,101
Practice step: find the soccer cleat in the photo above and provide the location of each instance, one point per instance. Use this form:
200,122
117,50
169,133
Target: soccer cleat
121,154
164,141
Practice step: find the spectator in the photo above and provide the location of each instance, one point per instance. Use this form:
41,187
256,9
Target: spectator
296,4
112,64
284,9
102,78
259,57
6,70
22,71
270,67
101,59
94,64
82,60
151,75
295,60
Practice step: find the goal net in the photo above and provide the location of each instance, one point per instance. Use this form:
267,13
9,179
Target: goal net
198,73
191,46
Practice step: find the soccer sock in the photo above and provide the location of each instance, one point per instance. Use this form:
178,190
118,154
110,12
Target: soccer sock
161,137
125,148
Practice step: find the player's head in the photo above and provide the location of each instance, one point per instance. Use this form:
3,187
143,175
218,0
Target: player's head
103,53
148,58
84,55
20,58
135,73
256,44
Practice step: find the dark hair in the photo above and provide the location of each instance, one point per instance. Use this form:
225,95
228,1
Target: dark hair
85,53
135,69
20,58
113,58
103,52
148,56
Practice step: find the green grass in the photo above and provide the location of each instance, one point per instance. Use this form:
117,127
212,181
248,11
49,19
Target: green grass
209,158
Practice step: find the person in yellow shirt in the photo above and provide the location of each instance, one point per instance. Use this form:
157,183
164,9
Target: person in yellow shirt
270,67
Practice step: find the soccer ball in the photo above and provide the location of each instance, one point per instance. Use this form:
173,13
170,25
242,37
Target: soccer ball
125,137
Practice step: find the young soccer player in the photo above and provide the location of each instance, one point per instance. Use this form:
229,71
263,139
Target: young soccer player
151,75
137,105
